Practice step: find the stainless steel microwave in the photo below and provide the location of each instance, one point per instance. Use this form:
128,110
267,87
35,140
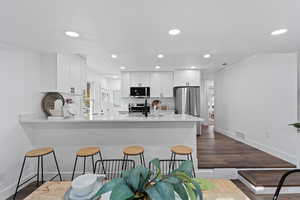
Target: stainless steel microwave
140,91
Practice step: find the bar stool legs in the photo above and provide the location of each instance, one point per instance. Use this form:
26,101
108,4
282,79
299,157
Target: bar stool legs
74,168
191,159
173,158
42,166
84,165
38,174
57,168
20,176
39,154
142,158
101,159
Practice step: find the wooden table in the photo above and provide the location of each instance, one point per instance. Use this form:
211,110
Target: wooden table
224,190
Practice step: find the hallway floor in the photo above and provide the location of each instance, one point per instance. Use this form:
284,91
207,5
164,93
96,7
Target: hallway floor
216,150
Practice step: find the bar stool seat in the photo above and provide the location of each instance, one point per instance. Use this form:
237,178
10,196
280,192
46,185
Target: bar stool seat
181,150
133,150
39,152
85,153
88,151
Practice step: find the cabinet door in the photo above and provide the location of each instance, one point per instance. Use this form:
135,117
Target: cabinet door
139,79
63,72
125,79
155,84
187,77
166,84
161,84
180,78
195,80
75,75
71,72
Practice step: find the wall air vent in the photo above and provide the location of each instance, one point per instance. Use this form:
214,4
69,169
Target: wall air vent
240,135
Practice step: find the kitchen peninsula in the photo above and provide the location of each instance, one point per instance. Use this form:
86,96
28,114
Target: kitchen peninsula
112,132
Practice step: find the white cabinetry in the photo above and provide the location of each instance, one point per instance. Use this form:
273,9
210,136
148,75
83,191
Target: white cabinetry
161,84
139,79
71,73
187,77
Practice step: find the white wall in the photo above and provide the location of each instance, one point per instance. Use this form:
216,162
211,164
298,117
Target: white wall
258,97
49,72
114,84
19,86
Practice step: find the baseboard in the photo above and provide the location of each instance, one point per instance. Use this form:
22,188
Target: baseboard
271,150
223,173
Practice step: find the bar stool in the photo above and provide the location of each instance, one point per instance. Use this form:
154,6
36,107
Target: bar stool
134,151
185,151
38,153
87,152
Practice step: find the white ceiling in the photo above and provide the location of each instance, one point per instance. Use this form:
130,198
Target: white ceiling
137,30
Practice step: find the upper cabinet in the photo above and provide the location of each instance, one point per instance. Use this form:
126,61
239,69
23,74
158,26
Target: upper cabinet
71,73
161,84
61,72
187,77
139,79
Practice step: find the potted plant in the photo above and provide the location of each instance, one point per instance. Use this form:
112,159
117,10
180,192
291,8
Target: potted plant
297,126
142,184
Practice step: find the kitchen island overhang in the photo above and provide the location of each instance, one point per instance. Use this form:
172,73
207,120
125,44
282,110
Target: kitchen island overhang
112,134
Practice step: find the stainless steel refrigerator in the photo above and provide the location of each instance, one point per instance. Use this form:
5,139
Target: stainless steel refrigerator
187,101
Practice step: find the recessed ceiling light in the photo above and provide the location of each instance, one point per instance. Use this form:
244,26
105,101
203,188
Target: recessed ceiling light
193,67
206,56
174,31
72,34
157,67
160,56
122,67
114,55
279,32
115,76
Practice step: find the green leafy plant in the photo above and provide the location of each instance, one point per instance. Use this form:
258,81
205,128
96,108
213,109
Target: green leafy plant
141,183
296,125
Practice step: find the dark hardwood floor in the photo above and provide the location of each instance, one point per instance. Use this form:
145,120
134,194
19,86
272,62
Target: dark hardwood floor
253,196
22,194
216,150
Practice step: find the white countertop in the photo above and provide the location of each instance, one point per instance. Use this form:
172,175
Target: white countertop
165,117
